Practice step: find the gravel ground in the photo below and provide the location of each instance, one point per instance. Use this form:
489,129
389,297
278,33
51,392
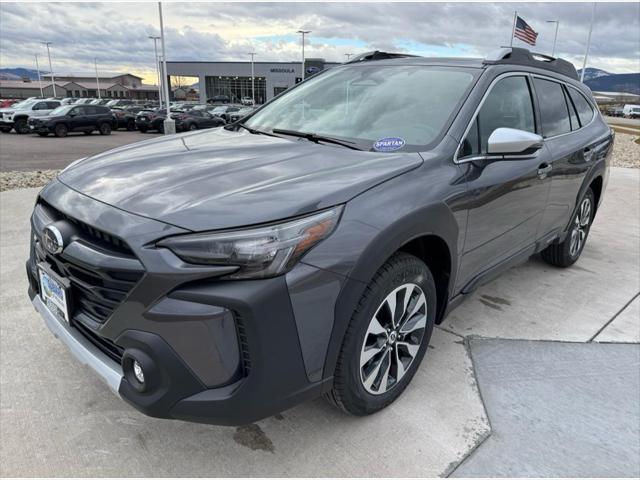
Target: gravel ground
626,153
36,178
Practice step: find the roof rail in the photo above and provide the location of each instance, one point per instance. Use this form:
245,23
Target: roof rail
378,55
522,56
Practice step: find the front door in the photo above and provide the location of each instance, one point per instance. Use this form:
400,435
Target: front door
506,196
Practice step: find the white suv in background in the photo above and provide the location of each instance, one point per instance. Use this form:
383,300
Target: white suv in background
17,116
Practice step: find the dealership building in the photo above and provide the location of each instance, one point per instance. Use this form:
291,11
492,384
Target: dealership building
234,78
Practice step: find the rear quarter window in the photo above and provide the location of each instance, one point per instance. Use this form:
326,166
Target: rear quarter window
553,108
583,107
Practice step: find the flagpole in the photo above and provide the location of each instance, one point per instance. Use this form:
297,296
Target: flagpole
513,29
586,54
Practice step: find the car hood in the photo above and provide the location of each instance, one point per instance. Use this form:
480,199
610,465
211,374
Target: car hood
219,179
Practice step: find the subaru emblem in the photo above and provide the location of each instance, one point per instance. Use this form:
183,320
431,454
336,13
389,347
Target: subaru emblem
52,240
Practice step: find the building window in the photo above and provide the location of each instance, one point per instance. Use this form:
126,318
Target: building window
236,88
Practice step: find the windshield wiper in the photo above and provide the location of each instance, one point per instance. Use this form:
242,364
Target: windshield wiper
251,130
314,137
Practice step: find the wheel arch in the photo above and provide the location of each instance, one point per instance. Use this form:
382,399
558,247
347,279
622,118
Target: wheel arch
409,234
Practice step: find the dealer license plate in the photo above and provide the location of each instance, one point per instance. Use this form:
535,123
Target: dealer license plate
54,294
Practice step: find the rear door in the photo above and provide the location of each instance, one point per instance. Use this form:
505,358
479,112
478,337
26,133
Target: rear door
565,116
77,118
507,196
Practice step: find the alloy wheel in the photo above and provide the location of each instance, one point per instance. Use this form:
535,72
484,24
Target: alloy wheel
580,227
393,338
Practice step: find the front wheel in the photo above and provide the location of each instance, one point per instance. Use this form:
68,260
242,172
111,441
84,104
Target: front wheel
21,127
386,338
193,127
131,125
104,129
61,130
567,253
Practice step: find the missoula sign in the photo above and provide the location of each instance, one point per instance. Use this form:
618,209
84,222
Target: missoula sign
282,70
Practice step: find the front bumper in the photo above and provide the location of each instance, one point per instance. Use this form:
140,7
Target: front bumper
213,351
81,348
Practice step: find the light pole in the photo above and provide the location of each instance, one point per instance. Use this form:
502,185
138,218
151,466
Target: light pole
555,37
169,123
155,49
53,81
348,55
586,54
303,32
39,80
253,91
95,63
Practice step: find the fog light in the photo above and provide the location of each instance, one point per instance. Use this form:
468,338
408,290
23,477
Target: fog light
137,371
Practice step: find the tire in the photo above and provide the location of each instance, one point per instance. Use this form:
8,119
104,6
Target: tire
5,129
371,337
161,127
567,253
104,129
142,129
43,134
131,125
21,127
193,127
61,130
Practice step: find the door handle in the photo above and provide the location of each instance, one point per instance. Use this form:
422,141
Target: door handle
544,169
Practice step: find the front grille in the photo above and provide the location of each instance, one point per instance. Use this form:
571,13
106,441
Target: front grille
96,291
109,348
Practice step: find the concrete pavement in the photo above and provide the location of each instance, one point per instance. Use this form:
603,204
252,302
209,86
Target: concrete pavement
56,417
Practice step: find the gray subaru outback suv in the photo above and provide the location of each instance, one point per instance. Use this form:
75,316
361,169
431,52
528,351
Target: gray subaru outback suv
226,275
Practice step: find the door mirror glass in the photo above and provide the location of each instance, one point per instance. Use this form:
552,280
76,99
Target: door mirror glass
511,141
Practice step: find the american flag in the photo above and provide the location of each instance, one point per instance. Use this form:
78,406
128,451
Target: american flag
524,32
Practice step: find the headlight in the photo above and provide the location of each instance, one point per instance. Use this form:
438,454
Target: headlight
258,252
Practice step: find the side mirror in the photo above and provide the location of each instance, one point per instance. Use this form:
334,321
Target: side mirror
505,141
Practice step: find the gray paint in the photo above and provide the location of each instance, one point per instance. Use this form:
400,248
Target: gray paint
312,291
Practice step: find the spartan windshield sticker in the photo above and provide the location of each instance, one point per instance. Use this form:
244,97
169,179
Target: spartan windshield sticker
388,144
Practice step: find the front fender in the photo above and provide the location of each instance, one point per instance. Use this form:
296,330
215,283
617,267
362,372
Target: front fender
378,223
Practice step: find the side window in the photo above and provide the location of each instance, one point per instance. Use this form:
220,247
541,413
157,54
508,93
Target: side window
573,116
40,106
91,110
52,105
509,105
585,112
77,111
553,108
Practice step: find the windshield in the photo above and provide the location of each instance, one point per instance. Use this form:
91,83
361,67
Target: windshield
404,103
22,105
63,110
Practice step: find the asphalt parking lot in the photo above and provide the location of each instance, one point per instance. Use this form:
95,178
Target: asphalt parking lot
536,374
31,152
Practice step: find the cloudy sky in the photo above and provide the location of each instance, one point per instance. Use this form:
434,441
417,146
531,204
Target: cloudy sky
116,33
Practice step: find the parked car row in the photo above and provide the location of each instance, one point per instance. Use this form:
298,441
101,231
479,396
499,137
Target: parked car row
61,117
